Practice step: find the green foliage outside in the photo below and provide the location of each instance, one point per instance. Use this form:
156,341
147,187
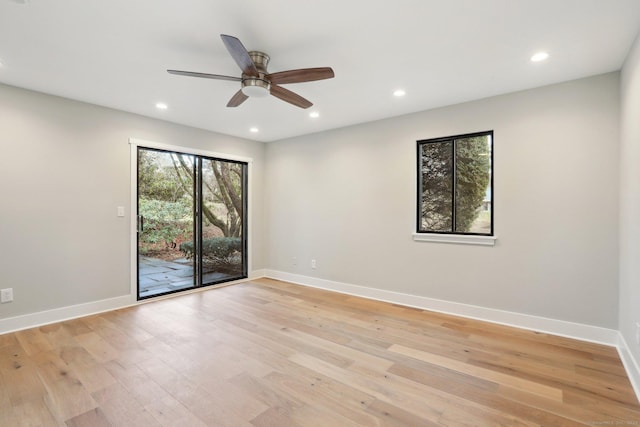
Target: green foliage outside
216,251
156,181
165,193
165,221
473,173
437,186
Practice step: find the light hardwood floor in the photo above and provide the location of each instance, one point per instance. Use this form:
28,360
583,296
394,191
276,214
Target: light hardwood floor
269,353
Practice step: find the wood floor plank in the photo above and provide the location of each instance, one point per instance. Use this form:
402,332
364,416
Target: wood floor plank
275,417
262,390
92,418
270,353
137,383
31,412
381,388
33,341
66,396
8,340
122,409
94,376
100,349
21,380
391,415
169,412
544,415
319,391
487,374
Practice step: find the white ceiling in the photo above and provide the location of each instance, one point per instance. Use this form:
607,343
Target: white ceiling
115,53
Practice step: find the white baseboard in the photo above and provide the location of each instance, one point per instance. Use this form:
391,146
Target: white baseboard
631,365
524,321
12,324
40,318
256,274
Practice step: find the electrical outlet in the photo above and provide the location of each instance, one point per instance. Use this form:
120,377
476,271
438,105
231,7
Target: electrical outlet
294,261
6,295
313,263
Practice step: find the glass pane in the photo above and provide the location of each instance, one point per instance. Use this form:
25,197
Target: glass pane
165,209
222,220
473,185
436,169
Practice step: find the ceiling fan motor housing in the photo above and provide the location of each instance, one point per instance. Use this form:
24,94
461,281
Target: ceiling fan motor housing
257,86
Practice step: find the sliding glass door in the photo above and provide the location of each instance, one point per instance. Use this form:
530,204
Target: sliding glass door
222,220
191,221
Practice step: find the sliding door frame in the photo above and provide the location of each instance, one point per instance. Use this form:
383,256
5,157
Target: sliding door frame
133,232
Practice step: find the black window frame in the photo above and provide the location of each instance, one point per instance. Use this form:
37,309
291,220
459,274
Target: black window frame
452,139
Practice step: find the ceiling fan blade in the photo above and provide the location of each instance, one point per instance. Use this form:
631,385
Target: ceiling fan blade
301,75
290,97
204,75
237,99
240,55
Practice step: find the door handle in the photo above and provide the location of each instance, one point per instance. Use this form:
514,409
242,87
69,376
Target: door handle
140,223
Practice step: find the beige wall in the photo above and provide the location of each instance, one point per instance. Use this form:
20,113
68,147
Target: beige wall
347,199
64,169
630,201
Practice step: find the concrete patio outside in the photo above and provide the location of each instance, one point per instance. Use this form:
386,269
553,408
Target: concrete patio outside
157,276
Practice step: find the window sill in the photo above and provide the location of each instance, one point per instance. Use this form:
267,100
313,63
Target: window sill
455,238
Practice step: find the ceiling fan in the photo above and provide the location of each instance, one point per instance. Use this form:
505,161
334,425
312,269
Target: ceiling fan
256,81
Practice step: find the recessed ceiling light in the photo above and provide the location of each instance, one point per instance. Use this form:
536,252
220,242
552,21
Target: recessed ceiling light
399,93
161,106
314,114
540,56
254,130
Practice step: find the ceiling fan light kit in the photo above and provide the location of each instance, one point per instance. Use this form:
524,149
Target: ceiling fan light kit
256,81
255,88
